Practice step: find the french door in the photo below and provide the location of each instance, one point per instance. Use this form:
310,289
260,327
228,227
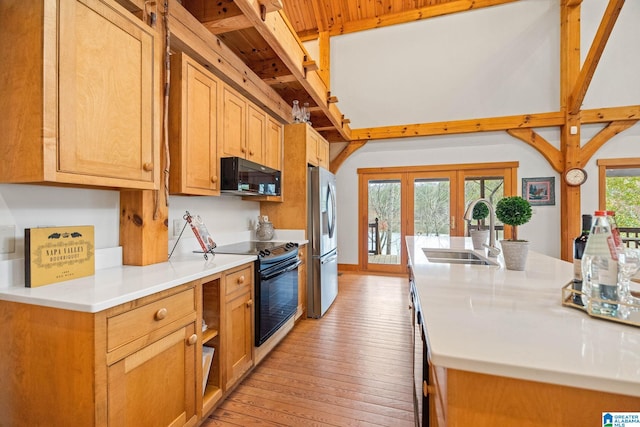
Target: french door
383,222
427,201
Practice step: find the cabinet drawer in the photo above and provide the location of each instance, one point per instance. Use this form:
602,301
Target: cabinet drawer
239,279
126,327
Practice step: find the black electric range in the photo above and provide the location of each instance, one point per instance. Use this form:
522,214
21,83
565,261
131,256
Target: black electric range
276,282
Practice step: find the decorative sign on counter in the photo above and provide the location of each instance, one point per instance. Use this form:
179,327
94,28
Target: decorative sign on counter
56,254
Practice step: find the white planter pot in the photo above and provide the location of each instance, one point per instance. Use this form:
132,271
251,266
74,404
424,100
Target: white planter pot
479,237
515,254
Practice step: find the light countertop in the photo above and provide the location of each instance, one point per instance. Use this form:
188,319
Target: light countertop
490,320
117,285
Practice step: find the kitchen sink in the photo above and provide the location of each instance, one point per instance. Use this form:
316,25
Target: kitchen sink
456,256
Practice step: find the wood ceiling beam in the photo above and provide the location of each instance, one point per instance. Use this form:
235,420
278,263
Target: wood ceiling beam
614,128
460,126
190,36
412,15
280,80
351,148
570,200
602,115
544,147
227,25
595,53
279,34
324,58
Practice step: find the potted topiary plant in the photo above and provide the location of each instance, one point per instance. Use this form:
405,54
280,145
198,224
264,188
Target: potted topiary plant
479,236
514,211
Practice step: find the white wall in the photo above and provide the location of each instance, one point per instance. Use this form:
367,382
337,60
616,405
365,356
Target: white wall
461,67
26,206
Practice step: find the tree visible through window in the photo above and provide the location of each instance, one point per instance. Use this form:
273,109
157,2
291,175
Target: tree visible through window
623,195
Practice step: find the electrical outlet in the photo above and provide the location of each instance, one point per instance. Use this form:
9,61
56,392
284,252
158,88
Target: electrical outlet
177,227
7,239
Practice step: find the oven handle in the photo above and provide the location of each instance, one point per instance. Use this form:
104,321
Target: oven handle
283,271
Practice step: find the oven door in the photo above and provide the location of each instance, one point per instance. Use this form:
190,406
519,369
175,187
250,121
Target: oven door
277,295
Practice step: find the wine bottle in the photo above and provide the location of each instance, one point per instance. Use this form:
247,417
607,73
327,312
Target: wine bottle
579,244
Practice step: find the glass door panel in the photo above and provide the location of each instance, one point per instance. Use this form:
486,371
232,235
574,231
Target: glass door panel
488,185
432,204
431,207
384,237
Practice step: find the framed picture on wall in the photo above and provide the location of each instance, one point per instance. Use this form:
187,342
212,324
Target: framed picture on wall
539,191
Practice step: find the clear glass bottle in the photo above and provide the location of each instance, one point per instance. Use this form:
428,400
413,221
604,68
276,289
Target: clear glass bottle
306,113
579,245
296,113
600,268
611,217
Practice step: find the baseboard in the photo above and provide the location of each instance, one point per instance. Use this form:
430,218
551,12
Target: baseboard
348,268
355,269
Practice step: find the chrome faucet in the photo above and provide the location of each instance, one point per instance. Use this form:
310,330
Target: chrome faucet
468,216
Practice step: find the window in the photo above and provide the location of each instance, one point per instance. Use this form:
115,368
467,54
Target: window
619,190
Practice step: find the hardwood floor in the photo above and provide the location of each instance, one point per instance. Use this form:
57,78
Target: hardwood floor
350,368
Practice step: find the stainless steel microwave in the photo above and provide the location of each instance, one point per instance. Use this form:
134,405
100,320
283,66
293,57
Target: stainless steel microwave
244,177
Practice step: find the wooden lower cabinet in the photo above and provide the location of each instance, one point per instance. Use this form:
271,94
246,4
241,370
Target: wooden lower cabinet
238,329
136,364
155,386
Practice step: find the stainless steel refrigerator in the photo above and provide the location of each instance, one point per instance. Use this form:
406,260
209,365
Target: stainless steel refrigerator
322,281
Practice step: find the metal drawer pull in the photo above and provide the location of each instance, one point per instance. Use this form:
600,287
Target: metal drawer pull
161,314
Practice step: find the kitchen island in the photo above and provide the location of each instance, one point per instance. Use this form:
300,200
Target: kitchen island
502,350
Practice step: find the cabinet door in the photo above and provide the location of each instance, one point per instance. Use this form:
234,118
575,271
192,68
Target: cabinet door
155,386
323,153
256,130
313,140
107,71
273,145
233,126
238,332
193,128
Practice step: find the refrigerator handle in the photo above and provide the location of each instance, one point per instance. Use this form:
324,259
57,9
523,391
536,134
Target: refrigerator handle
332,219
329,259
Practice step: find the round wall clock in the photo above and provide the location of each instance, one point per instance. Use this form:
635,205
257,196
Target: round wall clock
575,176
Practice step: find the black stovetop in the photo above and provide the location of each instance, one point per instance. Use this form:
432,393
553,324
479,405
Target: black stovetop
254,247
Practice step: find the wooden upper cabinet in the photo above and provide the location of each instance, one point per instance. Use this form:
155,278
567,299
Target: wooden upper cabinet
234,124
317,149
248,132
193,128
80,97
256,131
273,144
